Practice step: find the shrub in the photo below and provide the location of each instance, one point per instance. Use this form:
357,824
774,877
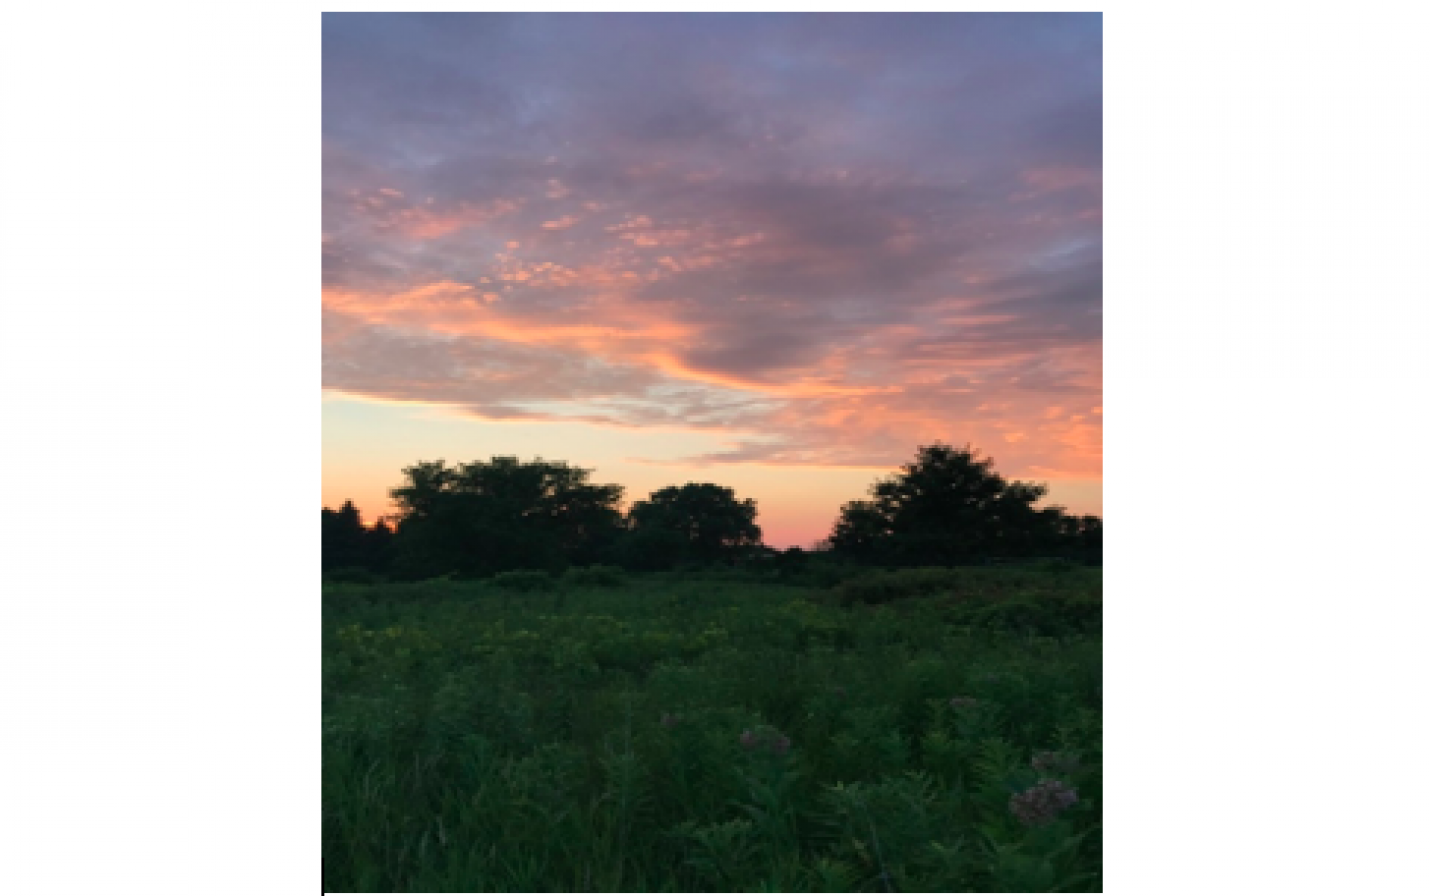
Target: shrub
824,573
524,580
600,576
351,575
1049,616
882,587
597,735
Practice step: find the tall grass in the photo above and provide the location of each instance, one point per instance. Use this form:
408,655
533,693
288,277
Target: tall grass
666,734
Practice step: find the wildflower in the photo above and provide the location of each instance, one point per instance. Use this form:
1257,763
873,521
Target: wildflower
962,702
669,721
765,738
1042,802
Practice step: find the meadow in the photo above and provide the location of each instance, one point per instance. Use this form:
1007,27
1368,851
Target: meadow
922,730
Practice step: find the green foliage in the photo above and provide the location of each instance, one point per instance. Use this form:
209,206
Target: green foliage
690,734
524,580
882,587
827,572
595,575
351,575
1051,617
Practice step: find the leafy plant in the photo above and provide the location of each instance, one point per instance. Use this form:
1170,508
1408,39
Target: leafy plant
692,733
524,580
882,587
597,575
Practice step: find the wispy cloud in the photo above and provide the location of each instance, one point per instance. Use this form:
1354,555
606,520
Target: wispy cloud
832,236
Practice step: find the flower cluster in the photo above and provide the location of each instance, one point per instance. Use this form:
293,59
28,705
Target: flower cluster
669,720
767,739
1042,802
962,702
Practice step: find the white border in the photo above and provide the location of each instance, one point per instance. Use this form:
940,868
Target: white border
158,343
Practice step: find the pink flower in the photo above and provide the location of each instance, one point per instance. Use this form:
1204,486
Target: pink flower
1042,802
765,738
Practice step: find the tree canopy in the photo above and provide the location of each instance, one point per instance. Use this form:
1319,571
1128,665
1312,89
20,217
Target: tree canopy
490,516
348,544
692,523
947,506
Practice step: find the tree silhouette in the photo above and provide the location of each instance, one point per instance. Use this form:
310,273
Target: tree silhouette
1082,538
485,517
343,537
378,546
348,545
948,506
691,523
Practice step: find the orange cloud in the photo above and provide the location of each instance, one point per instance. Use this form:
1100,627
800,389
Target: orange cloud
421,222
964,372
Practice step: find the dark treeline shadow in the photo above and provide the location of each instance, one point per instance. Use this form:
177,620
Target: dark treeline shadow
948,507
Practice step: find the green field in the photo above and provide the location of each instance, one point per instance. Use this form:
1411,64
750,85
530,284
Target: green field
679,733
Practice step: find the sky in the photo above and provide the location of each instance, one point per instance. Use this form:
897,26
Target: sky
775,252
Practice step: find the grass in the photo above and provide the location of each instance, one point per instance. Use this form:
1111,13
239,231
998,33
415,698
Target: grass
676,734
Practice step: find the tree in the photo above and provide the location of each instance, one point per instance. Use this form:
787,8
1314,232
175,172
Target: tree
861,532
691,523
485,517
343,538
1082,538
348,544
948,506
378,545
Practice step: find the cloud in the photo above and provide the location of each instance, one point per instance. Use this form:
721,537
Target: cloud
833,236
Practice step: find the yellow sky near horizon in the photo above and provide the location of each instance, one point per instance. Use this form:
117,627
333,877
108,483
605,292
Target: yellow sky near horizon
366,444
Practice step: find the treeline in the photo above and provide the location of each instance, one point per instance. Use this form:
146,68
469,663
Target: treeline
948,507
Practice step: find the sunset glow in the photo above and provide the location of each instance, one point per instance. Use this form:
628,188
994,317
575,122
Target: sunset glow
775,252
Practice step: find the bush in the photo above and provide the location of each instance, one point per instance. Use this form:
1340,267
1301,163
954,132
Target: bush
524,580
625,709
1055,565
882,587
600,576
351,575
821,572
1047,616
